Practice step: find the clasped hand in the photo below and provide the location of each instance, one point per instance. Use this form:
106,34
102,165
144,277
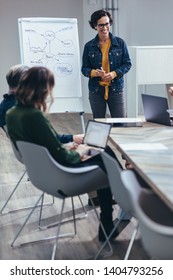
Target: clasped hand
106,77
77,140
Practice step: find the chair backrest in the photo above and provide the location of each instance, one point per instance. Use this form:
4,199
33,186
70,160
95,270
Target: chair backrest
4,128
16,152
55,179
154,217
118,191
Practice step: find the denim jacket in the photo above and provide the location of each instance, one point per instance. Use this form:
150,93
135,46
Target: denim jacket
118,58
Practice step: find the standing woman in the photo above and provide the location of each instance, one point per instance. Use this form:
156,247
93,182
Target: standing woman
105,61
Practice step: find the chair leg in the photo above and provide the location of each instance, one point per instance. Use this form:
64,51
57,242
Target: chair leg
17,235
106,237
121,218
58,235
59,223
41,210
23,208
41,205
126,217
55,224
74,216
131,242
58,231
83,207
2,209
123,213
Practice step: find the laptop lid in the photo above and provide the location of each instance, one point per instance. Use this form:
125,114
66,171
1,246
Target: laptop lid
155,109
97,134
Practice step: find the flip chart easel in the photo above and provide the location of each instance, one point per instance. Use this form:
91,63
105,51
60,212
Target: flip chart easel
54,43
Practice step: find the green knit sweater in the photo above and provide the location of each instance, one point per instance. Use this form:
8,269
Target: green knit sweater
30,125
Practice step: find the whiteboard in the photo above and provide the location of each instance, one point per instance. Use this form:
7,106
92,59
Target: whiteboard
54,43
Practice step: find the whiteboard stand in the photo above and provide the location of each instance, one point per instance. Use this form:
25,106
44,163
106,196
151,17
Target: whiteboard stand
82,121
150,65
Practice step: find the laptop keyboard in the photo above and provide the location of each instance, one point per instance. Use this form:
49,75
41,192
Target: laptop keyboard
94,152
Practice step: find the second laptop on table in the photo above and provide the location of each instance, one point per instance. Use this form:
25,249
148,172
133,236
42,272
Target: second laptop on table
156,109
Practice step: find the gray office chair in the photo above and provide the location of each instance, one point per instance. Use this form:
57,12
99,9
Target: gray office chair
119,192
154,217
41,204
59,181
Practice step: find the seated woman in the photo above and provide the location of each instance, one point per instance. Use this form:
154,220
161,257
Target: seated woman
27,121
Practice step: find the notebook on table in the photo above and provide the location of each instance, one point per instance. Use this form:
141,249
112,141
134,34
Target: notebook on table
125,122
156,109
96,137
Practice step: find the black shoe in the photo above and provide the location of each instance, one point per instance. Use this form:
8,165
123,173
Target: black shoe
108,229
96,201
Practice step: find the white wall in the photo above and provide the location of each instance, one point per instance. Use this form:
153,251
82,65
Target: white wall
140,22
146,22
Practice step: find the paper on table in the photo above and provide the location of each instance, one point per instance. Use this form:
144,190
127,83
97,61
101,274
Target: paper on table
143,146
124,120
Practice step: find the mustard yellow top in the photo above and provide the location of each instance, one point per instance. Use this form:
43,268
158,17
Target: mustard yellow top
105,65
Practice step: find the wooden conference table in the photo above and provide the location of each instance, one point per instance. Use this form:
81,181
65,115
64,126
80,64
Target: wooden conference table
150,149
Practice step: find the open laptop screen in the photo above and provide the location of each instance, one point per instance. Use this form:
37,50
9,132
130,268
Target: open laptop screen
97,134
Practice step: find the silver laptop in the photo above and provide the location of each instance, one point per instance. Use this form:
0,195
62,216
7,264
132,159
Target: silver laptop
96,136
155,109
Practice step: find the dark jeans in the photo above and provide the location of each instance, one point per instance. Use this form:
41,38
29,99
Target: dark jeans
116,103
104,195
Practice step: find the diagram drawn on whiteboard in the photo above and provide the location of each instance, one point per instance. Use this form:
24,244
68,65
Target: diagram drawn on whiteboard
51,52
53,43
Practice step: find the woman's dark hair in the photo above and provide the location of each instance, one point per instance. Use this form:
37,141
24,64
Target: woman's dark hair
97,15
35,86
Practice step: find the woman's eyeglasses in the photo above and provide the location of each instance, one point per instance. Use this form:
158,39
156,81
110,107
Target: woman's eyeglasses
102,25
